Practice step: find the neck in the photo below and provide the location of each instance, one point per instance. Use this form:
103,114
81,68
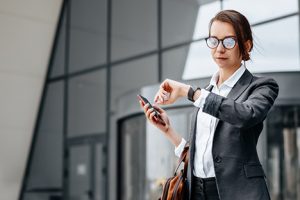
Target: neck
225,73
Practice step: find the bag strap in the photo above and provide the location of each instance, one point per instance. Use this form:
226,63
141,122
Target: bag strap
183,158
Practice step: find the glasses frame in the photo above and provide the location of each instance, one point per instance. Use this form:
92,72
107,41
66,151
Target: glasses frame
222,41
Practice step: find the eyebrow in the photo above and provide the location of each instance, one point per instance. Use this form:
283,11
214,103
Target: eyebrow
223,37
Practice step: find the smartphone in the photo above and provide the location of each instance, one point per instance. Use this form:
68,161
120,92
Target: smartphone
157,115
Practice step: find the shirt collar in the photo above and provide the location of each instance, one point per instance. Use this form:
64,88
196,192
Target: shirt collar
232,80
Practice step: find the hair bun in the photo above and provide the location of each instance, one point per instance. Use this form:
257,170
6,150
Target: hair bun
246,56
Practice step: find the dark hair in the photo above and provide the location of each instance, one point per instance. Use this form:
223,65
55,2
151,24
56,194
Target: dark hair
241,27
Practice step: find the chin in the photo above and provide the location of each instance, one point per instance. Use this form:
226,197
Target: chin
222,65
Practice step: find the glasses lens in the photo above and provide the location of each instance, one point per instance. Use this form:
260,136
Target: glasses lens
229,43
212,42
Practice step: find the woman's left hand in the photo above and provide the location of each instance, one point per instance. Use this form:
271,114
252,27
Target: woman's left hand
169,91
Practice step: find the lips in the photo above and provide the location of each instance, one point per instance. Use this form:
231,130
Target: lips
221,58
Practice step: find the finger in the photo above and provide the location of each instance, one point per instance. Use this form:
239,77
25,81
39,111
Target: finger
161,99
160,110
141,103
151,116
148,112
162,85
156,98
165,97
146,107
165,92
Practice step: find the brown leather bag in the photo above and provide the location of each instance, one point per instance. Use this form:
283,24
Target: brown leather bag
177,187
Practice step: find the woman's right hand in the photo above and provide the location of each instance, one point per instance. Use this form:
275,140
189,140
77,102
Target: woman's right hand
162,122
164,126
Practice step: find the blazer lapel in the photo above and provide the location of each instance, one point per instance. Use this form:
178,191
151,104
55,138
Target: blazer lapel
192,147
241,85
193,134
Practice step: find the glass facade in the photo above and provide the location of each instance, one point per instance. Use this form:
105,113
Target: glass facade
87,36
134,28
283,127
85,147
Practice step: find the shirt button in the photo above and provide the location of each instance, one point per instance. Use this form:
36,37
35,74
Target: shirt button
218,159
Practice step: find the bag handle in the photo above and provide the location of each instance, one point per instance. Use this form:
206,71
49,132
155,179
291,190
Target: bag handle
183,158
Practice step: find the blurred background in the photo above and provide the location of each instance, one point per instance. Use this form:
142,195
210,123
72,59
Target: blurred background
70,70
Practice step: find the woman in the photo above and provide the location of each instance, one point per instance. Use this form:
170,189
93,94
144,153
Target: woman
228,117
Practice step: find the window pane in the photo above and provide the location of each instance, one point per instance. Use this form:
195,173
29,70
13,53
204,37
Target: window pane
276,50
199,62
46,167
205,13
80,172
132,76
134,27
174,62
257,10
87,104
178,20
58,65
88,34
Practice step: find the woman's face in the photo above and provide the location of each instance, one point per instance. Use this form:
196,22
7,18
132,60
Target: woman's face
225,58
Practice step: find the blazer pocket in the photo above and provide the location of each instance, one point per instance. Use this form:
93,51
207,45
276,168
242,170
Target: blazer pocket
254,170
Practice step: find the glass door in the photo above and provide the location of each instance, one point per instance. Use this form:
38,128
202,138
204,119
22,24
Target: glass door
87,173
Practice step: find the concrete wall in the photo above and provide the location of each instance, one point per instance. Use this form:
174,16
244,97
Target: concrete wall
26,37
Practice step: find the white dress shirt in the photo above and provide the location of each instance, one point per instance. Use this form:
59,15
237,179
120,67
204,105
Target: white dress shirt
206,125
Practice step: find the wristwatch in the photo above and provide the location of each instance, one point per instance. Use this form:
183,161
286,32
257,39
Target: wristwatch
191,92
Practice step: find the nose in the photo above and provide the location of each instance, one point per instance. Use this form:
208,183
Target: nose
220,47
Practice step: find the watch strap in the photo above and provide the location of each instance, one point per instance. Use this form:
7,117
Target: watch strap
191,93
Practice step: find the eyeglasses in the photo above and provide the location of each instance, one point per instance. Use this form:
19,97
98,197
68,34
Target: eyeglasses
228,42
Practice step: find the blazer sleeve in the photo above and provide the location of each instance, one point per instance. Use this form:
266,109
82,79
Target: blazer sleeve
248,113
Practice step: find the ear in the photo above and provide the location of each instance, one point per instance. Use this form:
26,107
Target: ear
248,45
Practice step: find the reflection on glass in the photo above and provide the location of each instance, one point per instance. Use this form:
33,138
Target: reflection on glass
173,63
134,27
178,21
88,34
132,76
199,62
277,46
205,13
283,152
87,104
257,10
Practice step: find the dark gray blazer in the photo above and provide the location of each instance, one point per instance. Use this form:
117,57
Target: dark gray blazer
239,174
